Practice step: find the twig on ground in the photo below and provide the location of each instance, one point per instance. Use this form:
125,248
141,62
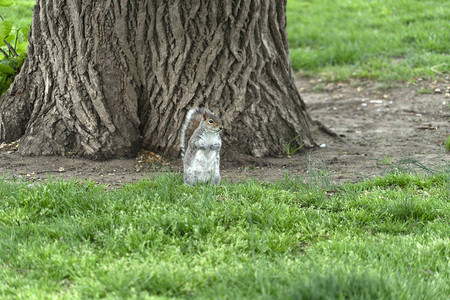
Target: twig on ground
433,68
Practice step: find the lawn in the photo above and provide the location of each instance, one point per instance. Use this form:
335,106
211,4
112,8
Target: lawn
382,239
380,39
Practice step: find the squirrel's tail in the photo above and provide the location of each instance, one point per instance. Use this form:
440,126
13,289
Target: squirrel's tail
191,122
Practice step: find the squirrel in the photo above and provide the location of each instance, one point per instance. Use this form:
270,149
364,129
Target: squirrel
200,146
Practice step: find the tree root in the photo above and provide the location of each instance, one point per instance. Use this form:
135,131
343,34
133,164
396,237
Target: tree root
325,129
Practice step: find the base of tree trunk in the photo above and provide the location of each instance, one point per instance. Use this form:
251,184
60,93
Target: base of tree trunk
110,87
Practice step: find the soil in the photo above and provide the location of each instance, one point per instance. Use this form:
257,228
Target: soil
365,128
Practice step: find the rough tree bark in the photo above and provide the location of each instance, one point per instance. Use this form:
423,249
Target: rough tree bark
106,78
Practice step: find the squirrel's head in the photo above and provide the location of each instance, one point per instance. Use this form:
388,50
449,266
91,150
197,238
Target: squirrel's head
212,122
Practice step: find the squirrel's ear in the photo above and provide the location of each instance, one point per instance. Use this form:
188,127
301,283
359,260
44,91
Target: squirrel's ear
205,115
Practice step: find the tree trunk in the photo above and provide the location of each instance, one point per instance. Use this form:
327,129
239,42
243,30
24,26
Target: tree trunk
106,78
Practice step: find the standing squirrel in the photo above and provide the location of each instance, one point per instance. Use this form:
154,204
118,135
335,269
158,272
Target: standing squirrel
200,146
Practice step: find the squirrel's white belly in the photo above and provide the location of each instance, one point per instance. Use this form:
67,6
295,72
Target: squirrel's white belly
204,165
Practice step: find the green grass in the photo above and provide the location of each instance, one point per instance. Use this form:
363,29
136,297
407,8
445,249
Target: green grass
380,39
382,239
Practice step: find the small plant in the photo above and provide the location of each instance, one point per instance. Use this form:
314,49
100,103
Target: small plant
320,87
424,91
447,143
13,47
290,150
407,165
387,160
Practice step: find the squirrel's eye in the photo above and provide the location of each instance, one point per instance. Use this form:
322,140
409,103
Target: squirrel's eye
210,121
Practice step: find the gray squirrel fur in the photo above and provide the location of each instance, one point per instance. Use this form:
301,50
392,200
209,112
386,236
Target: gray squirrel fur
200,146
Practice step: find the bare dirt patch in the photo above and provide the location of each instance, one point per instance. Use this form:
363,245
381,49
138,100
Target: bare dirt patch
378,127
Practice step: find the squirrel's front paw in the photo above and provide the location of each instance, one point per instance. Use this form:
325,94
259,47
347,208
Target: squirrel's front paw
199,145
215,147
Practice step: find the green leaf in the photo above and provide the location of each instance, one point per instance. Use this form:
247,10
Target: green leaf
25,31
6,2
13,62
4,84
5,28
22,48
10,39
6,69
